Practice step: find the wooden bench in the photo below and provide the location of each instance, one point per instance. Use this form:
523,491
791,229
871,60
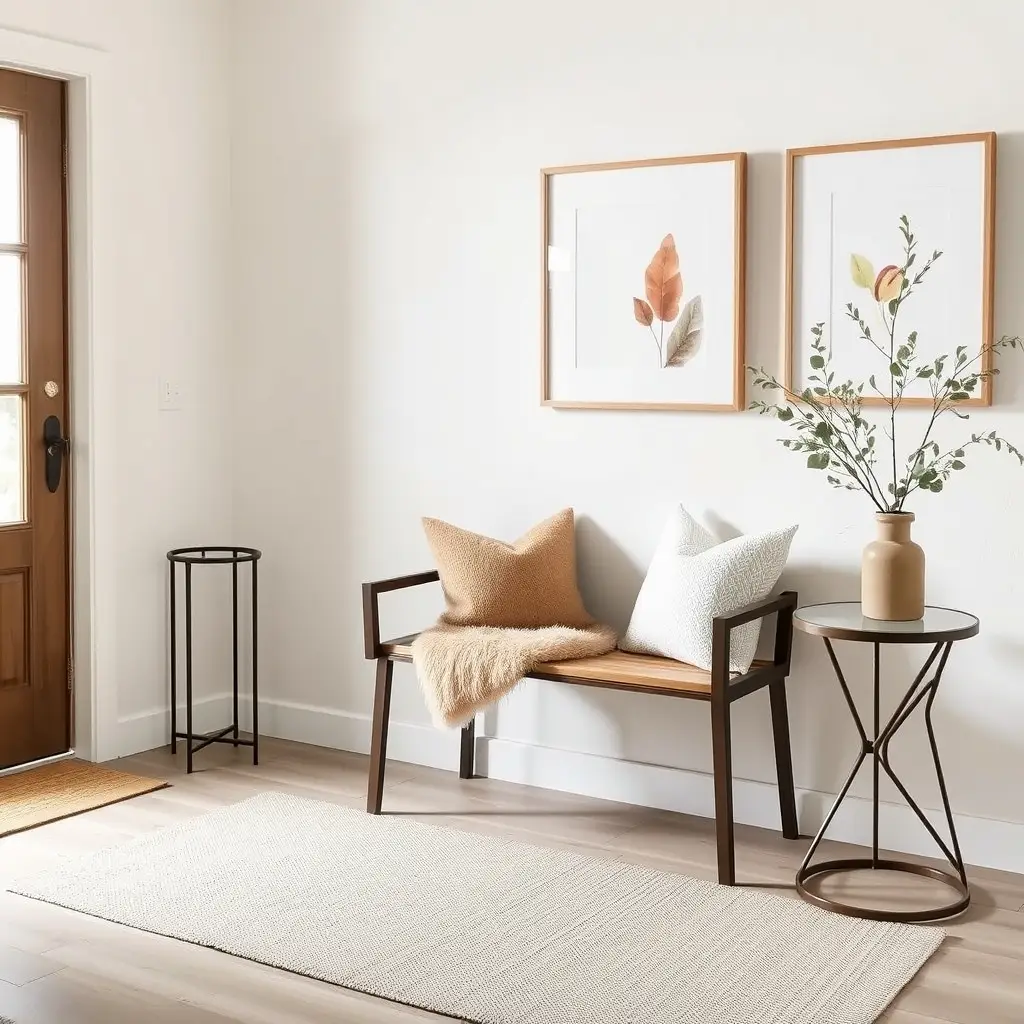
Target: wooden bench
633,672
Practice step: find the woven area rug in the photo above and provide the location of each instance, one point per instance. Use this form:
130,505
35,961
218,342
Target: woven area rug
488,930
61,789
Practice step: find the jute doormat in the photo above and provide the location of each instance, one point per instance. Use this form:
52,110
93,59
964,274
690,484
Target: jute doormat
59,790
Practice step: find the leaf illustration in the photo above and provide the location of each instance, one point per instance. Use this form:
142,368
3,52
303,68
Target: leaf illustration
663,282
684,341
643,312
888,284
862,272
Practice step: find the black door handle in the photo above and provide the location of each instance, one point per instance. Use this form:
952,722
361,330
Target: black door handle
57,446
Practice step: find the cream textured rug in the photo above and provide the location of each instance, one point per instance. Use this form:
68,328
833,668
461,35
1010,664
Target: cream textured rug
463,669
488,930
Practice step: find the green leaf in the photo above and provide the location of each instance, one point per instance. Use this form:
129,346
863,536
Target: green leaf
956,464
817,362
820,392
928,371
871,381
819,460
903,353
895,369
784,413
893,306
862,272
823,430
959,453
935,486
959,396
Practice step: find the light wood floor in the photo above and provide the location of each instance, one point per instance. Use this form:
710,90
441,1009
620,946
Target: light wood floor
58,967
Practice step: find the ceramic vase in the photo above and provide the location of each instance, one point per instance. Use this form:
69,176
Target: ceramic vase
892,571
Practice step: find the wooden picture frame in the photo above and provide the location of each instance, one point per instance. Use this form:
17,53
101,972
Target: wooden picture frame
723,364
982,206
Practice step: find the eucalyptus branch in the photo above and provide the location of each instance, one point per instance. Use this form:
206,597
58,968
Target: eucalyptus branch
828,445
827,417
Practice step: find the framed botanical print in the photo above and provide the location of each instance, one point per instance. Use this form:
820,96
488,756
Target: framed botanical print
890,249
643,284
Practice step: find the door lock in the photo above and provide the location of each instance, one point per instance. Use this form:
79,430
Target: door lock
57,447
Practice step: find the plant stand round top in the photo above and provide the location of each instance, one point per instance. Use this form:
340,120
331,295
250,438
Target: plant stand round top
211,555
940,627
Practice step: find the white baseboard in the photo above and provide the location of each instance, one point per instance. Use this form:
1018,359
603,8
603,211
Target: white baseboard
986,842
287,720
146,730
345,730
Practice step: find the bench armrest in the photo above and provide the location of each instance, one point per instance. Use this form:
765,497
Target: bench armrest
371,607
722,626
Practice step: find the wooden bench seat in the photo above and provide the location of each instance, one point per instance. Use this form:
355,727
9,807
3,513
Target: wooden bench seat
637,673
616,670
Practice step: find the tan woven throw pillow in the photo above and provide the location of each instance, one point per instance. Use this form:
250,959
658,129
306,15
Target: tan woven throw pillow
529,584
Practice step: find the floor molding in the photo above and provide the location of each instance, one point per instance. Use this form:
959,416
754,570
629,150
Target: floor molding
146,730
985,841
289,720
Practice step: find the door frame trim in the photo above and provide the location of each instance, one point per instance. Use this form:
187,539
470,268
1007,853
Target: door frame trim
92,348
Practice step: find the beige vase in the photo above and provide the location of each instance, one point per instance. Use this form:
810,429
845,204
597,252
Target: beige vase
892,571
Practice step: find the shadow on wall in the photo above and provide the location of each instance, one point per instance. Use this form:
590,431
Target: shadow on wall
609,578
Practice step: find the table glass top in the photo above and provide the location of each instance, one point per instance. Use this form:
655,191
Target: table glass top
848,615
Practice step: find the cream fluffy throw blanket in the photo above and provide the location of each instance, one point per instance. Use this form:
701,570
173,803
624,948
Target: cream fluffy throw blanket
463,669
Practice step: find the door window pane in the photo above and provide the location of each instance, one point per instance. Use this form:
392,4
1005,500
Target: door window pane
12,447
10,318
10,179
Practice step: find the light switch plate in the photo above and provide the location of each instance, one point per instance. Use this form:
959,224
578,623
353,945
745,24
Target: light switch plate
170,395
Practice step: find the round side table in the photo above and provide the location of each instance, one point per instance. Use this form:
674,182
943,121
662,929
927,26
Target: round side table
189,557
940,627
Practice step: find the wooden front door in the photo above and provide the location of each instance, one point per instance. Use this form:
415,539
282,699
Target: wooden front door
35,675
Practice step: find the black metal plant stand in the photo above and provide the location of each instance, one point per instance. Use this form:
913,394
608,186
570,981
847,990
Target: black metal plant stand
189,557
940,627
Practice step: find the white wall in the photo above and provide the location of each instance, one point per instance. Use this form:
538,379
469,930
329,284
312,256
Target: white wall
386,342
165,161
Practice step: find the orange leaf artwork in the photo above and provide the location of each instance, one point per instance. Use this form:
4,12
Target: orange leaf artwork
643,312
889,283
663,282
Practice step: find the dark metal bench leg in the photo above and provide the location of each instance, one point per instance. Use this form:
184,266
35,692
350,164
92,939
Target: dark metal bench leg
379,735
721,744
466,751
783,759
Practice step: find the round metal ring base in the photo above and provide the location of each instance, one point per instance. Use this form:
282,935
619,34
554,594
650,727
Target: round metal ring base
829,867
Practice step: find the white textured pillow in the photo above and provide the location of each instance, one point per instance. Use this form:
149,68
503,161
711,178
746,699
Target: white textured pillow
693,578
